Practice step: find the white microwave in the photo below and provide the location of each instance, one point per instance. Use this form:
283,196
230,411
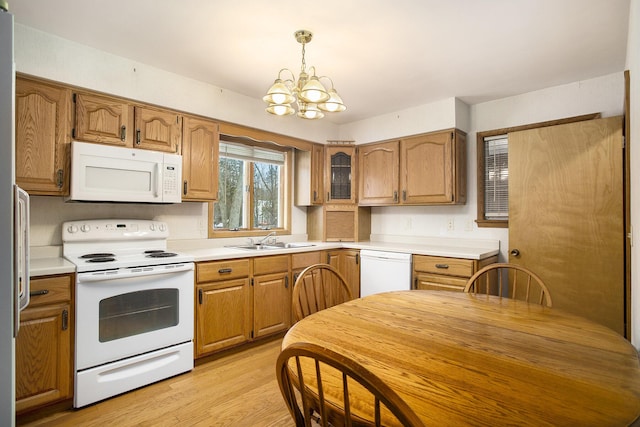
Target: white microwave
115,174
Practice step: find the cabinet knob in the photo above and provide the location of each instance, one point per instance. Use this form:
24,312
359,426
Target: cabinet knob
514,252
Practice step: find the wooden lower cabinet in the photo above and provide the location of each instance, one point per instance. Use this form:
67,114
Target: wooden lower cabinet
223,305
271,295
44,350
347,261
240,300
447,274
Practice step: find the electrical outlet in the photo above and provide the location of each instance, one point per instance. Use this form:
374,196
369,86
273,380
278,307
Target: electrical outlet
450,226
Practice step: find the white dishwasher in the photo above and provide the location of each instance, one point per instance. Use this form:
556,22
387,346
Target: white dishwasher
384,271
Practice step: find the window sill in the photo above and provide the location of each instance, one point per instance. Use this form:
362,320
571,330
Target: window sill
492,223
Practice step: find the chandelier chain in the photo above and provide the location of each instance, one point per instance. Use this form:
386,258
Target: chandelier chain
304,63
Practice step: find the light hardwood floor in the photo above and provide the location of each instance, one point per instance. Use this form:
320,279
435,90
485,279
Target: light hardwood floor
239,389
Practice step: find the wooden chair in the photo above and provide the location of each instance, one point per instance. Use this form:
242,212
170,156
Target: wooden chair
509,280
304,391
318,287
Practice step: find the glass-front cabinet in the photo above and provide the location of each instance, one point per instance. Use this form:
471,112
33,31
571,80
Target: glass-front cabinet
340,173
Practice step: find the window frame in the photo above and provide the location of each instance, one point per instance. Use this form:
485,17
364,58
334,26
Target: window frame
286,190
481,220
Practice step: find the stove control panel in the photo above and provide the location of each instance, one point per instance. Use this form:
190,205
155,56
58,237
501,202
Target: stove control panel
113,229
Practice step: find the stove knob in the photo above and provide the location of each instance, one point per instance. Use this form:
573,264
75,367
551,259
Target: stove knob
162,227
152,227
85,228
72,229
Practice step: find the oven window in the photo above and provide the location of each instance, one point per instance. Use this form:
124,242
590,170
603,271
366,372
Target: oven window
135,313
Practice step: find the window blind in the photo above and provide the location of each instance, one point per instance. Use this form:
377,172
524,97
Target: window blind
496,179
251,153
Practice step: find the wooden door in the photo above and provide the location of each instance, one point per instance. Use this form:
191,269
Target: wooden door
42,135
566,214
199,159
317,174
104,120
379,176
158,130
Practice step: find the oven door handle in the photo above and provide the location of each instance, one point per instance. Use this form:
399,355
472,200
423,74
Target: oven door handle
126,273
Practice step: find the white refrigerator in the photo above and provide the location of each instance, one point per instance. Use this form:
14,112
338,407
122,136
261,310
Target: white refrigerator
14,226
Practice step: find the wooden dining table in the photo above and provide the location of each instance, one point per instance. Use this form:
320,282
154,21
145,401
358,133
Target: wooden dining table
465,359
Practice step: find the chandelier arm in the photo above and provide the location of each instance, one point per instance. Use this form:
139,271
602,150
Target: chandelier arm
328,78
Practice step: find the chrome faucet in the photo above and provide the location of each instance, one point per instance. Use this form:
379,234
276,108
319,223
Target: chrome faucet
265,238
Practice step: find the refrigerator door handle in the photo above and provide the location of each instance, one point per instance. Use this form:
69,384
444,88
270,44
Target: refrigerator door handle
20,254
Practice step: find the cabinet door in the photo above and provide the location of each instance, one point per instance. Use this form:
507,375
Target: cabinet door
271,304
347,261
42,135
223,315
379,177
317,174
199,159
158,130
340,174
104,120
43,356
427,165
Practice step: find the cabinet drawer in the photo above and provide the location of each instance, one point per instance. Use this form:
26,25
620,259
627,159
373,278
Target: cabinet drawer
439,283
50,289
222,270
270,264
443,265
305,259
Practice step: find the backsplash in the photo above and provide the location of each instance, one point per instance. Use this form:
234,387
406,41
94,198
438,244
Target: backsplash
185,220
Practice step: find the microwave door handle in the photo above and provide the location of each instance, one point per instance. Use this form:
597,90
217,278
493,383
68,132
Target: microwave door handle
158,180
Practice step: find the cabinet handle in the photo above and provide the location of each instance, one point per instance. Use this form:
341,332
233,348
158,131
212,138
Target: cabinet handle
286,282
357,259
328,196
200,296
404,195
65,320
59,178
445,266
184,188
395,196
295,277
123,133
225,270
38,293
315,195
137,136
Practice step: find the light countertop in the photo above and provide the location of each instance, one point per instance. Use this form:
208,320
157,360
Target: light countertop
50,261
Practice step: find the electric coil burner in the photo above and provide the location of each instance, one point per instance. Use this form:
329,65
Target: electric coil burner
134,306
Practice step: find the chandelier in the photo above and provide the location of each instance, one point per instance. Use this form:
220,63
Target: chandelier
310,96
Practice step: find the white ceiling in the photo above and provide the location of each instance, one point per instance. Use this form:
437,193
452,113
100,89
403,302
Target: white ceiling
382,55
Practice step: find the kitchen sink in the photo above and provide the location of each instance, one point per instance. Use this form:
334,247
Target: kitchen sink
267,246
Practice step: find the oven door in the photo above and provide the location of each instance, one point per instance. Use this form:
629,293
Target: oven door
126,312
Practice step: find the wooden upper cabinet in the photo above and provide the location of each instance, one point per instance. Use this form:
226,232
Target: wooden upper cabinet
103,119
309,176
42,137
115,121
199,159
432,168
428,169
159,130
378,166
340,173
